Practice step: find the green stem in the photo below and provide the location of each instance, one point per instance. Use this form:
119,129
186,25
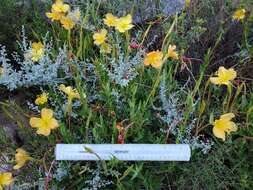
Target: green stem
229,97
154,87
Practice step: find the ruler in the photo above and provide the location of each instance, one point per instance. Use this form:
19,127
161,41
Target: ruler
125,152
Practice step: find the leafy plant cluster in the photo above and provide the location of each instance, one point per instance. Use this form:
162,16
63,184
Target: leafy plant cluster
97,77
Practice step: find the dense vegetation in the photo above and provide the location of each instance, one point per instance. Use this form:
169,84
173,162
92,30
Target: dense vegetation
111,72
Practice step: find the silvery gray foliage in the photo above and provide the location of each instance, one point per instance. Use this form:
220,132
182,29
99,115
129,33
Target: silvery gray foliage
96,182
25,72
62,171
124,69
170,105
173,116
118,98
10,77
196,142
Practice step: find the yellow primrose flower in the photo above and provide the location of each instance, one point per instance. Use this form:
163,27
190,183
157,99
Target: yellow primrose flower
37,51
21,157
67,23
224,125
239,14
46,123
5,179
172,53
54,16
60,7
124,23
100,37
41,99
110,20
224,76
154,58
71,93
58,10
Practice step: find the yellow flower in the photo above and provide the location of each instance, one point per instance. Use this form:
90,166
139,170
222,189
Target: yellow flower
110,20
124,23
239,14
58,10
54,15
224,76
71,93
172,53
154,58
37,51
100,37
41,99
46,123
67,23
5,179
224,125
60,7
21,157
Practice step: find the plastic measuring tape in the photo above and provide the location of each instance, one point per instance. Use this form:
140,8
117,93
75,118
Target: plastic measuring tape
125,152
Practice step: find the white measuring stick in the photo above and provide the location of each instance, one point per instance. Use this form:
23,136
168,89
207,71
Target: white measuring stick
130,152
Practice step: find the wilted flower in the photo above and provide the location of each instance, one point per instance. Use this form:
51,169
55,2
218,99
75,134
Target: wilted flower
21,157
239,14
121,133
46,123
41,99
70,92
110,20
134,45
224,76
224,125
37,51
105,48
124,24
154,58
5,179
172,53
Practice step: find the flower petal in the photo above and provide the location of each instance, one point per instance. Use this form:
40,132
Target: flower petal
44,131
46,114
215,80
6,178
227,116
221,71
232,73
231,127
53,124
18,166
219,133
35,122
